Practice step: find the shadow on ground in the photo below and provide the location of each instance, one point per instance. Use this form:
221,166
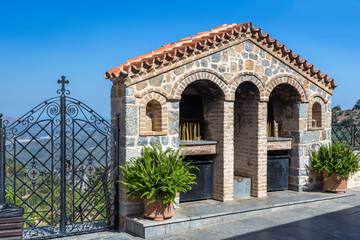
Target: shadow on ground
343,224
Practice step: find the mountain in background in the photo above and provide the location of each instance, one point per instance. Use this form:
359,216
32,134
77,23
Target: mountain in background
348,116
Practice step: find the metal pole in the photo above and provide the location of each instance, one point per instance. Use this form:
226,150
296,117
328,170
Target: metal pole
2,164
353,136
62,156
116,168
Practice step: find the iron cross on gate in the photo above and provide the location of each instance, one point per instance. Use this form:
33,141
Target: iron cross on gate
63,82
34,173
90,169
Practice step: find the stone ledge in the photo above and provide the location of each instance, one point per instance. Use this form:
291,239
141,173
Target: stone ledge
152,133
205,149
279,143
202,213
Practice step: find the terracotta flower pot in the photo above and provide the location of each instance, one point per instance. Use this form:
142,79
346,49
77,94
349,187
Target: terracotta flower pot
157,210
332,184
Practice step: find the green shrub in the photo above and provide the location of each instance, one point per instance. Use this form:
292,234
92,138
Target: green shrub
337,108
157,173
335,158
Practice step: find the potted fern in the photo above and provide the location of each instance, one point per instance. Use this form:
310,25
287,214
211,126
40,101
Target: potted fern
156,177
337,163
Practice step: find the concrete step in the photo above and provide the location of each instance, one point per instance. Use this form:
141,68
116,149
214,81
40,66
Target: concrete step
207,212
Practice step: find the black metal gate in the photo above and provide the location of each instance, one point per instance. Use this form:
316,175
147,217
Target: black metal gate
58,167
349,134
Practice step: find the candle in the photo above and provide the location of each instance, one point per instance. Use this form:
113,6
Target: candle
195,135
199,131
187,131
191,132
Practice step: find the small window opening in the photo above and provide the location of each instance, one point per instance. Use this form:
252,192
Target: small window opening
153,116
316,115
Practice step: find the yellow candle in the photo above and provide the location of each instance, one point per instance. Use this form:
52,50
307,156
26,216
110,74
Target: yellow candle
195,136
199,131
184,135
191,132
187,131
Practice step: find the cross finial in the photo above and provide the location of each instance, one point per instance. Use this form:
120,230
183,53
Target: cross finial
63,82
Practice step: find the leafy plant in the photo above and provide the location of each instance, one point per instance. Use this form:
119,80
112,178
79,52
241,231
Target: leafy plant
157,175
357,105
335,158
348,121
337,108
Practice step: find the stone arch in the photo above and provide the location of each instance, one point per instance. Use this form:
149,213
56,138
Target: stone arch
245,77
285,79
150,90
202,74
317,95
315,101
163,118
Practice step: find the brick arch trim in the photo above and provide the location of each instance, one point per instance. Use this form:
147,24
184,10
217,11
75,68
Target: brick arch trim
316,98
202,74
245,77
159,91
285,79
142,112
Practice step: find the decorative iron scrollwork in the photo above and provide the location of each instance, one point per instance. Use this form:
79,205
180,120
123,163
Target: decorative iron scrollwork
59,167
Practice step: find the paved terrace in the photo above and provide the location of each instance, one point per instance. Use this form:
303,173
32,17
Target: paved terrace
304,217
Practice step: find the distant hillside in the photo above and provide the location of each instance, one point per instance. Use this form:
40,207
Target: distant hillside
348,116
37,141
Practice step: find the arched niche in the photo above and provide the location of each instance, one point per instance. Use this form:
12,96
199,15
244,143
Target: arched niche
153,115
283,111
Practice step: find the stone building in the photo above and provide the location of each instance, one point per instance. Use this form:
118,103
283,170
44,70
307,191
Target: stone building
248,96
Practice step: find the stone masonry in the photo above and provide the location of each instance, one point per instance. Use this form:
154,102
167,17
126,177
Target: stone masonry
247,69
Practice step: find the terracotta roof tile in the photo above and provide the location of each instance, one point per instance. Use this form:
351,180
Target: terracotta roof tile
186,46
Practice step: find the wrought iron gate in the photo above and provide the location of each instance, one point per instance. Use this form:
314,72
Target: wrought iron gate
349,134
58,167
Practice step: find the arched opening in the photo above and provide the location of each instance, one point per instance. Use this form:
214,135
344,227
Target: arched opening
201,131
201,109
245,138
153,116
282,127
283,111
316,115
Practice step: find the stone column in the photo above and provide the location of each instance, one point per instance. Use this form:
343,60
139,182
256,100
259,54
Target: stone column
228,152
259,183
124,103
219,117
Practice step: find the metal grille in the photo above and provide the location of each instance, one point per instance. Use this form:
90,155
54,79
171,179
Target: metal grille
58,168
349,134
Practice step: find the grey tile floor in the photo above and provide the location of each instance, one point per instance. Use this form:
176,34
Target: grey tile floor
331,219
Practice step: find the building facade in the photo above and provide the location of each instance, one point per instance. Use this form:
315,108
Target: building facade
232,93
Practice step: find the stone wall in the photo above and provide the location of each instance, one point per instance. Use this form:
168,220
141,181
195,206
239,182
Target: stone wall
227,69
354,180
307,139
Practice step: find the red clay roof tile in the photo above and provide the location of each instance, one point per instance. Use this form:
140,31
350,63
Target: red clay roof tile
187,45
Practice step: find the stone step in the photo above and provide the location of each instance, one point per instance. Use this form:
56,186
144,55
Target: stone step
207,212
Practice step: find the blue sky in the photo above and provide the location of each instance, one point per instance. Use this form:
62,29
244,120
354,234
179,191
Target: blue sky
42,40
